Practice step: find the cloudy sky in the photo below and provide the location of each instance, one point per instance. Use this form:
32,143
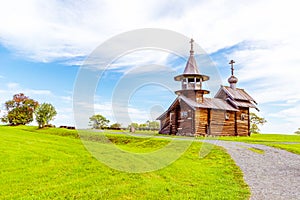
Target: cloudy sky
43,45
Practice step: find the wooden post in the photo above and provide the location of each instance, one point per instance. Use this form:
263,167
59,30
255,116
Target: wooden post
249,123
193,122
208,122
170,123
235,124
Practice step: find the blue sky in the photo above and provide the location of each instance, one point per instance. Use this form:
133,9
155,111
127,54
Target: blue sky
44,44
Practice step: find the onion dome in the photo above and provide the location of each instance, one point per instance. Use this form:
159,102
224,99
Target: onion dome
232,79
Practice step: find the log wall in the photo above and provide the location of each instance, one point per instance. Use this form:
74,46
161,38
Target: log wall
201,123
243,124
185,122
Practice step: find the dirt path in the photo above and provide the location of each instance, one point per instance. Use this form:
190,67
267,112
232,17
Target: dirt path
271,173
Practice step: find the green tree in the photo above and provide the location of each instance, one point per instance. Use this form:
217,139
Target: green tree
19,110
298,131
98,121
143,126
134,125
153,125
44,114
255,121
115,126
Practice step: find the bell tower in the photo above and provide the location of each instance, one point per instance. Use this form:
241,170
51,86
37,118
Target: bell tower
191,79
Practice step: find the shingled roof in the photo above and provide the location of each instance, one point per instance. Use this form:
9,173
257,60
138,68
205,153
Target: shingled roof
191,66
212,103
236,97
236,94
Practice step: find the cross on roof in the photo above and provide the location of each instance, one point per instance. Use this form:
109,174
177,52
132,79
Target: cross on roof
192,46
232,69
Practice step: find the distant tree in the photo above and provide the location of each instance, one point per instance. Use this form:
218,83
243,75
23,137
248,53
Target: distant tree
134,125
19,110
255,120
298,131
143,126
44,114
115,126
98,121
153,125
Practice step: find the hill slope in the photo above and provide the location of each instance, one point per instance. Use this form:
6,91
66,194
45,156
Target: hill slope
35,165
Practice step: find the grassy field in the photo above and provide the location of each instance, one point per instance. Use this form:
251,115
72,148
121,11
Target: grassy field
287,142
54,164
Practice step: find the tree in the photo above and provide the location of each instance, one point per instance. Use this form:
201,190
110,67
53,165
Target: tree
98,122
19,110
44,114
298,131
255,120
153,125
143,126
115,126
134,125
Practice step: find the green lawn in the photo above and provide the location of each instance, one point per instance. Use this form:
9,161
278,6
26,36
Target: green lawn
287,142
54,164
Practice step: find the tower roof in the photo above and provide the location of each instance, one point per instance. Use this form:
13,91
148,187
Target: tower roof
191,68
191,65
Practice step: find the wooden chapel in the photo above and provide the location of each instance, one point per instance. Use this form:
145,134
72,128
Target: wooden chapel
192,114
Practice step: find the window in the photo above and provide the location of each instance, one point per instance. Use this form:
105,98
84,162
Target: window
183,114
243,116
227,115
191,80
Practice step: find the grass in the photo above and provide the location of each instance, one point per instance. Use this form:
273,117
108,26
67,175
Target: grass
256,150
294,148
289,143
41,164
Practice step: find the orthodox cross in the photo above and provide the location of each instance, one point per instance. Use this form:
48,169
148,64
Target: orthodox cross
192,46
232,69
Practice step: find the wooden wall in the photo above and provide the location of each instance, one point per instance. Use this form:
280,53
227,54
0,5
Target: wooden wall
185,123
222,123
203,121
213,122
165,124
193,95
243,125
201,124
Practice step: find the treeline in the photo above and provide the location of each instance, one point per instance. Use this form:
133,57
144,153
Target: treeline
100,122
21,111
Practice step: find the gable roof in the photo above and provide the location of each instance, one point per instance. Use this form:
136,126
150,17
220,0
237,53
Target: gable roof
212,103
238,104
237,94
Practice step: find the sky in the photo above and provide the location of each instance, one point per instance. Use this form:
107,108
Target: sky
45,46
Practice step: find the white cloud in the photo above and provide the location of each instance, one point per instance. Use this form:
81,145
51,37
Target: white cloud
288,119
14,88
12,85
64,29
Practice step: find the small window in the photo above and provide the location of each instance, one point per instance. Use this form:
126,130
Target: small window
191,80
227,115
184,114
243,116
